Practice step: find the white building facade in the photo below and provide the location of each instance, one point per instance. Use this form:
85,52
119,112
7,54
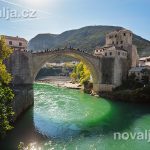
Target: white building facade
17,43
144,61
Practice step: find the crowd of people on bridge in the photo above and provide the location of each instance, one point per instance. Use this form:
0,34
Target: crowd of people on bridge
58,49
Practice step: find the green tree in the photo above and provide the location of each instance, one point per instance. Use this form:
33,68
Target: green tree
146,75
80,73
132,76
85,75
6,94
73,76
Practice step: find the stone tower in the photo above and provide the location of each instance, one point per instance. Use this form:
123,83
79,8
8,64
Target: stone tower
123,40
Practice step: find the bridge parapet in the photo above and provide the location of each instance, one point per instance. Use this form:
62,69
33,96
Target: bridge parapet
47,51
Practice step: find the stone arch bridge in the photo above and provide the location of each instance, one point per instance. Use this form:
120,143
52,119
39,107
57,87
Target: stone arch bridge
107,72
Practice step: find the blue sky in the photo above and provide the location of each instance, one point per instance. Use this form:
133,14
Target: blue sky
57,16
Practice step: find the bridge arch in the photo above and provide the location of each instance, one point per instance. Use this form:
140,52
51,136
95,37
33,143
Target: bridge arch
40,58
107,72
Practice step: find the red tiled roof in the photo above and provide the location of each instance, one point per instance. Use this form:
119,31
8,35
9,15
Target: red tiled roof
15,38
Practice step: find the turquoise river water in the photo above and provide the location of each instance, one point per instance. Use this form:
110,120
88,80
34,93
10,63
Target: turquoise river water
65,119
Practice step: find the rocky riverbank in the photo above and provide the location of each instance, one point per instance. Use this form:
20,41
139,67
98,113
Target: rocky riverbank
60,81
141,95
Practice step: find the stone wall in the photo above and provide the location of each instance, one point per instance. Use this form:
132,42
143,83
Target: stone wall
107,70
24,98
120,71
106,87
20,67
114,71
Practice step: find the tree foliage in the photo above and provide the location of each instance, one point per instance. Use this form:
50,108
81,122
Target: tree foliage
146,75
6,94
5,77
5,52
80,73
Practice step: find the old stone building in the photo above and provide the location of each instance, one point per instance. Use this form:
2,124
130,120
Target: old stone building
119,44
17,43
144,61
140,73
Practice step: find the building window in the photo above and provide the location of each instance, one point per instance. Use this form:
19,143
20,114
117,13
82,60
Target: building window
113,42
116,35
110,37
10,42
118,53
117,43
20,44
121,47
124,34
121,42
105,54
110,53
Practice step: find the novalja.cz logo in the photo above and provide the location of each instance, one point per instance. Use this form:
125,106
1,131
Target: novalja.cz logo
8,13
133,136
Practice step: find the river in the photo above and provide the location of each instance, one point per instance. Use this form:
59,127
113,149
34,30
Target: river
66,119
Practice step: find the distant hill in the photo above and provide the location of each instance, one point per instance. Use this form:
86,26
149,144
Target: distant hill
84,38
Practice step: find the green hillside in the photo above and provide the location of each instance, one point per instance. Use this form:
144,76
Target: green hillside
86,38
